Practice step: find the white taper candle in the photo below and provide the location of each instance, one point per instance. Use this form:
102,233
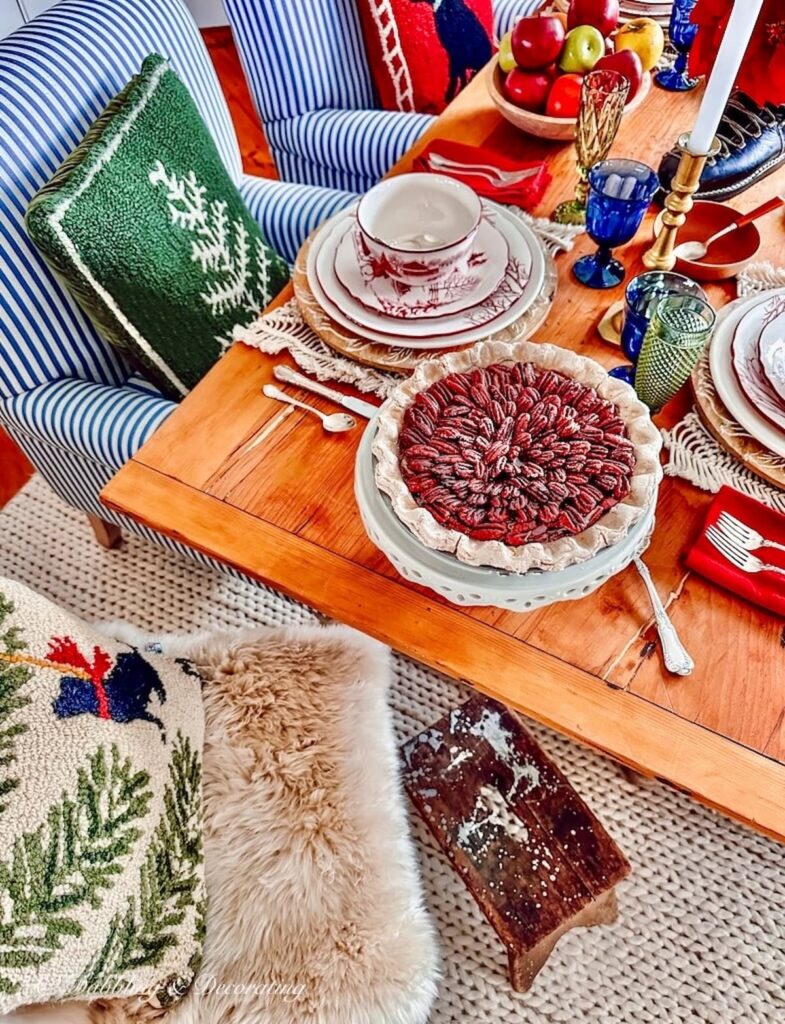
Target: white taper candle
723,74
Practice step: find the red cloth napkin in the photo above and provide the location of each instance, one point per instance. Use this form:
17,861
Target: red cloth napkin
527,194
764,588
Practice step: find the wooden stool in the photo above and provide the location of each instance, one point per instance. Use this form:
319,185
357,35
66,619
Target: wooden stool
532,854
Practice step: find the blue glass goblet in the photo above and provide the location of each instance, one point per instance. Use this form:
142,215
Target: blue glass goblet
682,33
642,297
620,192
625,372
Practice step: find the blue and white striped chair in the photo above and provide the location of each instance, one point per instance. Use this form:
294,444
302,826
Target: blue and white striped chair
309,76
67,398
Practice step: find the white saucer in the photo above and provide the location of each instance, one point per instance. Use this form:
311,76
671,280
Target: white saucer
511,299
727,385
771,346
478,586
747,364
361,277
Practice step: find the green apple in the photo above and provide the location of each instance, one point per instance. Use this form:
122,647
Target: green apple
583,47
506,59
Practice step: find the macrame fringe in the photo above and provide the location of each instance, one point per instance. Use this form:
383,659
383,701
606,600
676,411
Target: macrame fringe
555,238
285,330
759,277
694,455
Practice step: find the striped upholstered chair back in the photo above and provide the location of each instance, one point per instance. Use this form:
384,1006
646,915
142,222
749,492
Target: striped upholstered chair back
57,75
308,72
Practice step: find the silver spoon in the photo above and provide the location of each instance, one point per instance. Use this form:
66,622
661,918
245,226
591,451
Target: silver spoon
697,250
335,423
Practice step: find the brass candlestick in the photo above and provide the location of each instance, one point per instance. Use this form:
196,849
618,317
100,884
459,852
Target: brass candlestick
678,204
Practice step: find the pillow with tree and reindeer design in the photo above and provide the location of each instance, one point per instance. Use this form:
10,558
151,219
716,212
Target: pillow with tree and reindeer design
101,866
148,232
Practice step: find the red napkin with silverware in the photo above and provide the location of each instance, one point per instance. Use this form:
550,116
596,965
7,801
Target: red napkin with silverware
764,588
526,193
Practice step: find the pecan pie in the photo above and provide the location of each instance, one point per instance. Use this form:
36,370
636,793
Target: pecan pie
534,458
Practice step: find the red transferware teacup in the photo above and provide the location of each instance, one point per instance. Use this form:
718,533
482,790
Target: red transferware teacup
419,226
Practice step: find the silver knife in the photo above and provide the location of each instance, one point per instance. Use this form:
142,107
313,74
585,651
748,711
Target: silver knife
355,405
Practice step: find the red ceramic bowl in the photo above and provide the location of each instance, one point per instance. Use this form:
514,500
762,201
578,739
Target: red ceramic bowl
728,255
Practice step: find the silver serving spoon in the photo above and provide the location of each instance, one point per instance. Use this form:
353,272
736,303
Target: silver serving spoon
335,423
697,250
674,654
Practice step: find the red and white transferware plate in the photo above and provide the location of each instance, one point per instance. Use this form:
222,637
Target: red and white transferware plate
726,381
520,286
747,363
771,345
364,278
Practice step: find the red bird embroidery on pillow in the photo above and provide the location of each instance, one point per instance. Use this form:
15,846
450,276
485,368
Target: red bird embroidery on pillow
120,692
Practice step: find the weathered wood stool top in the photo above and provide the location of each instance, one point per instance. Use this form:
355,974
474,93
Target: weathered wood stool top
533,855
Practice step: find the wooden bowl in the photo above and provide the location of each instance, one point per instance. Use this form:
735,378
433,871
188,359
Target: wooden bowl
559,129
728,255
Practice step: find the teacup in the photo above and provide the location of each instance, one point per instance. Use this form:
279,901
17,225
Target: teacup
419,226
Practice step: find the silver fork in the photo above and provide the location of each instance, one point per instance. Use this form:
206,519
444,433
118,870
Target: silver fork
738,556
494,174
744,536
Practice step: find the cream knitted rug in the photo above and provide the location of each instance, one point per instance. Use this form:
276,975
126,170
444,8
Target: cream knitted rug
701,933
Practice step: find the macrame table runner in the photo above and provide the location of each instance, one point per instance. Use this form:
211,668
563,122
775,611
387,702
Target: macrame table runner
694,455
284,329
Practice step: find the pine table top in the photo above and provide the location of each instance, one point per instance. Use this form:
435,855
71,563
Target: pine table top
262,488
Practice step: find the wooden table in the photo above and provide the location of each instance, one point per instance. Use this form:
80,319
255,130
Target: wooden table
264,489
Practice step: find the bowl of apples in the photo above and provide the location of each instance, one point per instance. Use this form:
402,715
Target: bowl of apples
538,72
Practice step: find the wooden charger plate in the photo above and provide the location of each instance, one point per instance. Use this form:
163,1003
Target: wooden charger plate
728,434
404,360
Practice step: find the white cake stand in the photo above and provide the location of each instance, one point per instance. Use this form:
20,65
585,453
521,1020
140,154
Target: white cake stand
473,586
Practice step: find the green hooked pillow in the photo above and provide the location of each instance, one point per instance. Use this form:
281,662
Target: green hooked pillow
101,855
150,235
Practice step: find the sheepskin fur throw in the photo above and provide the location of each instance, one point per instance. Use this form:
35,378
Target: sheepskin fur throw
315,910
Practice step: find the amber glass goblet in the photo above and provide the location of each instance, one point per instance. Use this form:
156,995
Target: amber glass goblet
603,96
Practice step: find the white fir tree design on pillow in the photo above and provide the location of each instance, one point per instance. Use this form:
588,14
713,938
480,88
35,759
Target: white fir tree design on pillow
239,273
150,234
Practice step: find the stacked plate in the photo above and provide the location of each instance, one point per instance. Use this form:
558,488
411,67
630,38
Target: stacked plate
478,586
747,365
503,276
657,10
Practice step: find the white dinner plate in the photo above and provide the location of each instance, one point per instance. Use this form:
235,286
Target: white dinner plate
727,384
771,345
511,299
747,364
361,277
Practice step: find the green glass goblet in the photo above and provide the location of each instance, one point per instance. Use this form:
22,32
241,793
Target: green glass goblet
678,330
603,96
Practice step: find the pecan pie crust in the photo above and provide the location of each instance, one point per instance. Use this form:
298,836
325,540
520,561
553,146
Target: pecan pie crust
517,456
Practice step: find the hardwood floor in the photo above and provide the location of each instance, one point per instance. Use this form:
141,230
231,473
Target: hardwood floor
15,470
256,155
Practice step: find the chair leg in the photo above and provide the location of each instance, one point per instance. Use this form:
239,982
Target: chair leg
108,535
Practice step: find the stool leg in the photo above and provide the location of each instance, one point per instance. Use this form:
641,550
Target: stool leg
107,534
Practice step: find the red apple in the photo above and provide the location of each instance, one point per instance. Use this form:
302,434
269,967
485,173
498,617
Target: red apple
627,63
537,41
528,89
564,99
602,14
